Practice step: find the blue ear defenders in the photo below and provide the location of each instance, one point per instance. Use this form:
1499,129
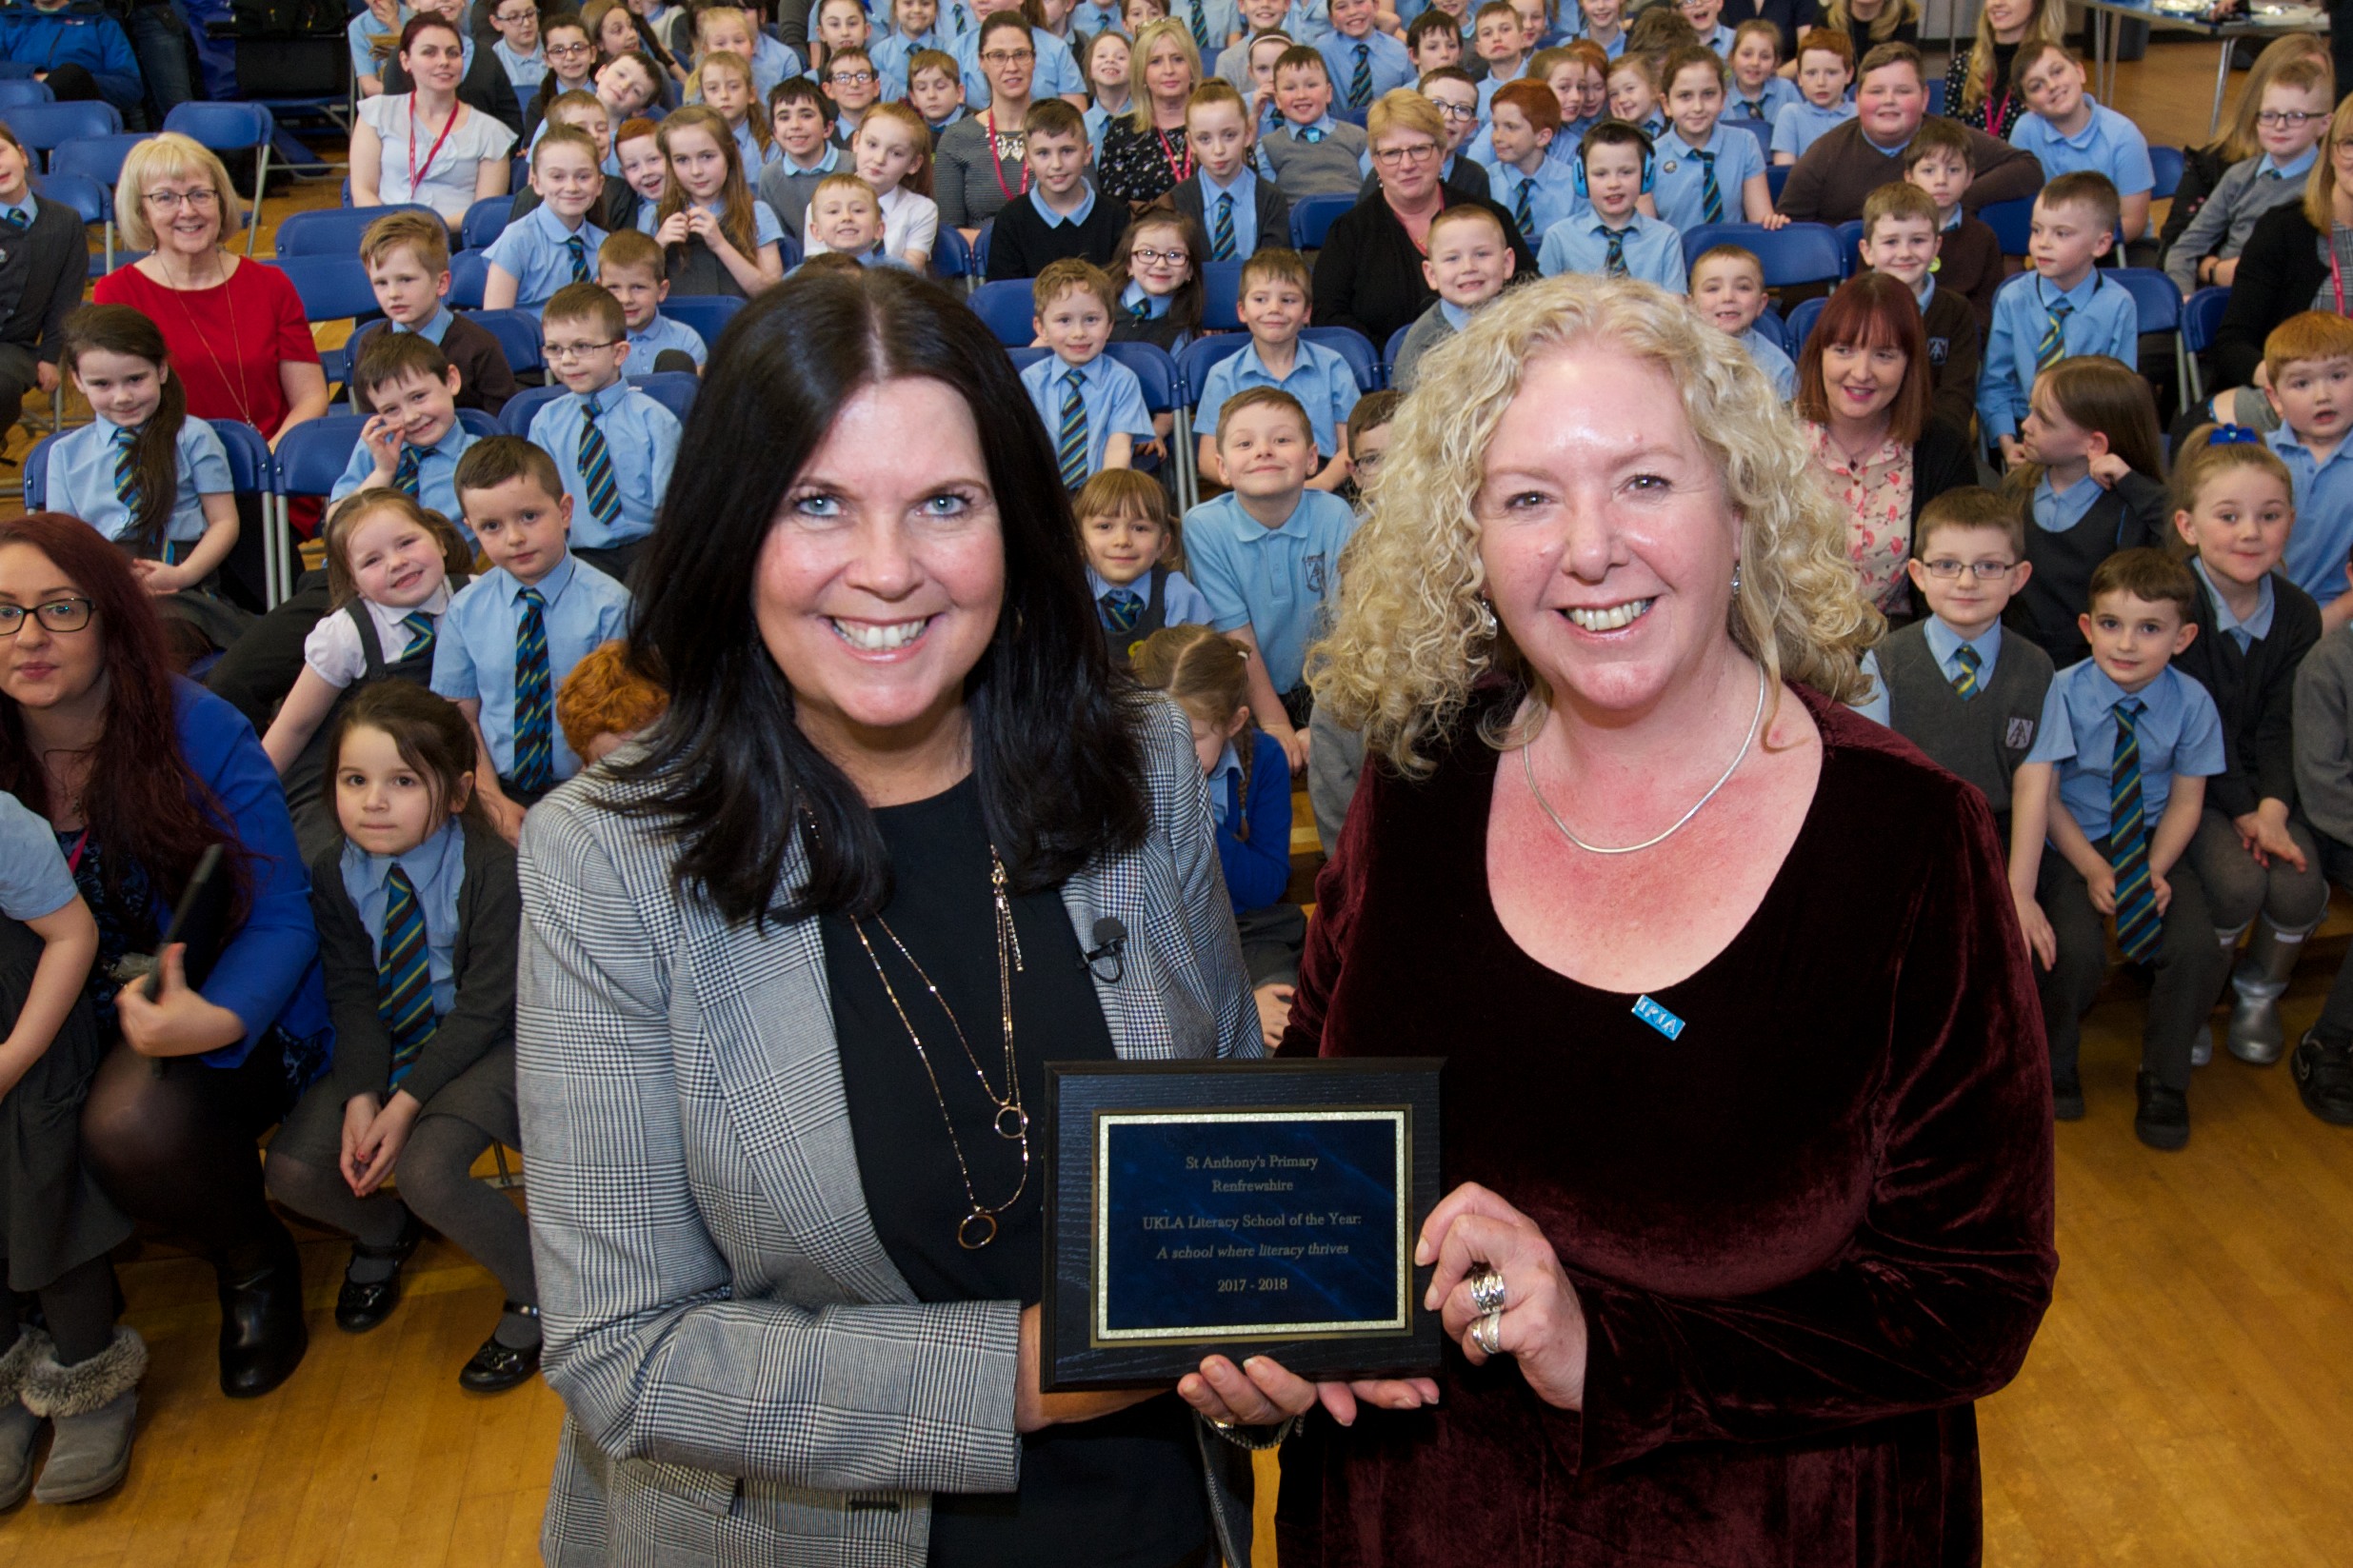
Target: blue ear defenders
1650,158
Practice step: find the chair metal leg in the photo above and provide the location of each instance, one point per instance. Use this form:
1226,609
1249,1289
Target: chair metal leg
1188,480
271,598
261,185
506,1181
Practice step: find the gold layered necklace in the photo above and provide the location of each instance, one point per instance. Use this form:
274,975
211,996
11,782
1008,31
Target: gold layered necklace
1012,1121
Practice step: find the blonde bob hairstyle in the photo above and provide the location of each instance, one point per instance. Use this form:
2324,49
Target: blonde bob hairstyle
2321,185
1402,109
168,156
1412,637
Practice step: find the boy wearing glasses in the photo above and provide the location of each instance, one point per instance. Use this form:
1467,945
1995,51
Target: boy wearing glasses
612,444
854,86
2289,127
516,22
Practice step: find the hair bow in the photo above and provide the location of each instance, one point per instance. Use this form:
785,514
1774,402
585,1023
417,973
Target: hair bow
2234,435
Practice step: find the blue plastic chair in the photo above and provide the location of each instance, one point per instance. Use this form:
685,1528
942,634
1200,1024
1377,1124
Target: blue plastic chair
2159,305
1389,351
2012,223
17,71
252,470
1311,219
43,128
951,258
1775,329
2167,162
1801,325
334,230
1202,354
469,273
331,289
2200,315
979,249
1776,176
1804,252
230,128
1008,308
99,159
92,201
1849,246
709,315
674,390
1221,296
1935,96
518,337
485,222
17,93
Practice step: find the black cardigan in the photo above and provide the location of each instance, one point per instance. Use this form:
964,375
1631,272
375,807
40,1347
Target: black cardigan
1368,274
41,277
2255,692
1020,244
490,932
2279,273
1942,461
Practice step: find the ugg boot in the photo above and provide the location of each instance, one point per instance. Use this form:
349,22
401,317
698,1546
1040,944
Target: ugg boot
93,1405
2260,980
19,1428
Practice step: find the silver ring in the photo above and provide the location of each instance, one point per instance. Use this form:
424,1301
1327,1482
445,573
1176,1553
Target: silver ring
1488,1334
1487,1290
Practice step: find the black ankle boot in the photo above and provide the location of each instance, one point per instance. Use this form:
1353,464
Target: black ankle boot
262,1333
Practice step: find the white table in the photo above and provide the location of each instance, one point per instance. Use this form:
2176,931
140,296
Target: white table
2223,32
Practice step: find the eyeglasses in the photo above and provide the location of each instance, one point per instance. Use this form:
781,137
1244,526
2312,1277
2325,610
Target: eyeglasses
556,352
1389,157
1009,56
852,78
172,201
510,17
1456,112
2289,117
1156,258
1985,572
58,615
566,51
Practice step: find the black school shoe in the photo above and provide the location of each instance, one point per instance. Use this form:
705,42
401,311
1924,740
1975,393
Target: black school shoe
2323,1073
361,1306
496,1367
2163,1118
2068,1097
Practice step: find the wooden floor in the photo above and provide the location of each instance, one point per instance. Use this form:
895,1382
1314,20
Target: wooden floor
2189,1400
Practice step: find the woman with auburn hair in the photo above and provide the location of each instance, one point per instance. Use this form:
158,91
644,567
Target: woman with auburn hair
1752,1155
141,773
1864,391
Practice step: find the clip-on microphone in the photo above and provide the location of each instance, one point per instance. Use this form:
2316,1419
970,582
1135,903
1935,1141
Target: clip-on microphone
1110,943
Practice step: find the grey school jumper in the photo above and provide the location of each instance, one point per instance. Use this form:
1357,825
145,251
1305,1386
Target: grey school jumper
1983,739
2222,226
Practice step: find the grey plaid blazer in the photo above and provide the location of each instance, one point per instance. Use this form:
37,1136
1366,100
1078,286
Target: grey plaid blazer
745,1376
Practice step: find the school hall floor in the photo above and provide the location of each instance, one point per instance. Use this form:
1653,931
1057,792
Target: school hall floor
2188,1401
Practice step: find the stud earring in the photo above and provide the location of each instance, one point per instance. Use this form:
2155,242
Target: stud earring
1736,580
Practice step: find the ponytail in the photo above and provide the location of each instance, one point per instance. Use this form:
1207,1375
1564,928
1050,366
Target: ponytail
155,450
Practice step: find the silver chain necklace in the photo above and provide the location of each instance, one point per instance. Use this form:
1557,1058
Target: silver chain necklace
1528,766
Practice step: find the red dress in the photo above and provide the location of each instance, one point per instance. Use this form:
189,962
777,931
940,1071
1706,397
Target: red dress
226,342
1807,1233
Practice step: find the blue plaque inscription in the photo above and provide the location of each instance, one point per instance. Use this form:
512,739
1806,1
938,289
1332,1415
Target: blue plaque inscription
1249,1223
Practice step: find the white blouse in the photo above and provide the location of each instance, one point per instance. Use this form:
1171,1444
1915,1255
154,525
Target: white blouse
445,179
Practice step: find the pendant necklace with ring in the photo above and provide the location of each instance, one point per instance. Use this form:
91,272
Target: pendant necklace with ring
1527,766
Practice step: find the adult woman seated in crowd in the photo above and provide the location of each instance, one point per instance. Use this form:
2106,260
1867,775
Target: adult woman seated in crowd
481,85
426,144
979,165
2299,258
1863,394
1145,152
897,776
1368,274
1831,180
141,773
1720,1299
234,328
1977,82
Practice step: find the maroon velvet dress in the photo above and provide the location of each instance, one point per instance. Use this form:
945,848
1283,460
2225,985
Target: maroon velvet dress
1807,1234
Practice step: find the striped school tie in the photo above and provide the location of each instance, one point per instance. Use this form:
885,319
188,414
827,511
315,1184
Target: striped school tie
404,471
125,469
1222,232
1712,194
2137,922
1523,209
1070,447
1965,679
2054,344
1201,28
421,630
1122,610
1360,80
404,975
579,248
596,468
534,696
1614,263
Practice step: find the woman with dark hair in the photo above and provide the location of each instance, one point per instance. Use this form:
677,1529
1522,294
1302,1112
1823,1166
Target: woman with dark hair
1864,395
422,139
141,773
896,783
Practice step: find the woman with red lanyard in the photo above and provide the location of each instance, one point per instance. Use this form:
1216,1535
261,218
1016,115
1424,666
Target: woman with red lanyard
235,328
2300,258
1145,152
424,145
1977,85
980,166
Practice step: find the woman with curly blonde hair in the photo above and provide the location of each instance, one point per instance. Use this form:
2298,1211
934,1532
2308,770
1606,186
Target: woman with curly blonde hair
1747,1104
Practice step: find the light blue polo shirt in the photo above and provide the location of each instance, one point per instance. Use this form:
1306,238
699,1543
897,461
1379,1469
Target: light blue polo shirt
34,881
1679,188
1274,580
2108,144
1653,251
2318,545
2179,732
1799,126
1772,361
81,479
536,252
524,71
1108,391
1320,379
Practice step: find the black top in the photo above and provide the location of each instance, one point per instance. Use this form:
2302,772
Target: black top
1126,1489
1140,167
2254,690
1998,93
1792,16
2131,515
1368,274
42,270
2283,268
1021,242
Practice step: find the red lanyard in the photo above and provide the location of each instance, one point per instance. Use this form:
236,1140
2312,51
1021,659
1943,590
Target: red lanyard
996,164
74,855
1996,111
414,174
2335,274
1178,173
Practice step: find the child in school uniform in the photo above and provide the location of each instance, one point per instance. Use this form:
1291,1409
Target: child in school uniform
44,267
2309,363
2069,130
2091,483
612,444
1901,238
1091,405
413,441
1160,297
1309,152
1277,296
1132,558
512,634
1524,179
1360,61
144,472
2061,309
802,118
719,239
407,255
1207,675
1969,259
1727,289
1237,210
1500,41
419,917
629,266
79,1371
1708,173
554,244
1468,261
2290,121
2321,1064
2116,783
1614,238
723,82
1063,214
1759,91
2234,504
893,156
935,91
1635,95
1267,553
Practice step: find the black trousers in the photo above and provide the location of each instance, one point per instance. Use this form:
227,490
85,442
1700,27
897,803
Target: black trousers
2188,968
2335,1022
